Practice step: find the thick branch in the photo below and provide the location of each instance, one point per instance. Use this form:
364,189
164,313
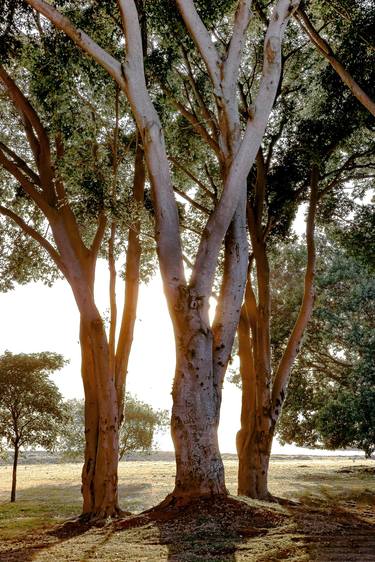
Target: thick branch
80,38
220,219
324,48
99,235
231,292
132,277
201,37
166,215
233,59
23,105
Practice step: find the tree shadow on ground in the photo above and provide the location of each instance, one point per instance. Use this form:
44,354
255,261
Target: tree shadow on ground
336,528
27,547
226,529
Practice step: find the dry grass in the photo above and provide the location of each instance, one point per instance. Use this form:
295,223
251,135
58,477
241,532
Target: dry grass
334,519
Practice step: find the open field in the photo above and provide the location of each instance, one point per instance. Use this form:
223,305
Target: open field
332,517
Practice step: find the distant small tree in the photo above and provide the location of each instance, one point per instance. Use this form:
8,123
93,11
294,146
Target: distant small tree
136,434
141,423
31,407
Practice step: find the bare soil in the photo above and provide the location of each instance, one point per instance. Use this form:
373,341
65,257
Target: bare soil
327,514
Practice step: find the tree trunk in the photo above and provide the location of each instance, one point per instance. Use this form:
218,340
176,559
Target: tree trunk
195,413
99,474
14,473
254,456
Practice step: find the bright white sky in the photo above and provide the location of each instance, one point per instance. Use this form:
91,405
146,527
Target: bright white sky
37,318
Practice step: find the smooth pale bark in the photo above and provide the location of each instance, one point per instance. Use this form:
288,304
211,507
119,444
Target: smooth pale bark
202,353
14,472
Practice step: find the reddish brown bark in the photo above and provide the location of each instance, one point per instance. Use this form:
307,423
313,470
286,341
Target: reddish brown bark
262,393
132,277
77,262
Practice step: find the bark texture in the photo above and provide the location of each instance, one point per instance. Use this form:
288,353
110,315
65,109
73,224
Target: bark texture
195,413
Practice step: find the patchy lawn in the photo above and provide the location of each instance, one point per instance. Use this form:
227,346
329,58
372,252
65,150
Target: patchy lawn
330,516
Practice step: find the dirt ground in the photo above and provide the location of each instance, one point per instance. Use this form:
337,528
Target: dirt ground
327,514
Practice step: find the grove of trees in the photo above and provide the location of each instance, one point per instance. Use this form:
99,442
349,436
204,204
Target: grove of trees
199,130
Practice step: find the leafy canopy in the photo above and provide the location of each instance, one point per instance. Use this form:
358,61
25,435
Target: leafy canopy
31,407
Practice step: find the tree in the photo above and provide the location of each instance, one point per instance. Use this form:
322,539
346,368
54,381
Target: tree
136,433
331,397
65,174
31,407
323,147
203,349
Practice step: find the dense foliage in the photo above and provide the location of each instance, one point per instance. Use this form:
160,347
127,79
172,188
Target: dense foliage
331,396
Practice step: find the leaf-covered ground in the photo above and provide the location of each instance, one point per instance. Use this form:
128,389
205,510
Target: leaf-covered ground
330,516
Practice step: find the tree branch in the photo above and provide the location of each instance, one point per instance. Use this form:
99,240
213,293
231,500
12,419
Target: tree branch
21,164
235,183
80,38
305,312
324,48
192,177
36,236
192,201
201,37
26,184
233,56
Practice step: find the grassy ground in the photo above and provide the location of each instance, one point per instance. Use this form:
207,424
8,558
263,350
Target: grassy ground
332,519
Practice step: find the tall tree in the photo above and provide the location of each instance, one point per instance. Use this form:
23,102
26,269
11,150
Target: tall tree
64,162
31,407
202,349
327,145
